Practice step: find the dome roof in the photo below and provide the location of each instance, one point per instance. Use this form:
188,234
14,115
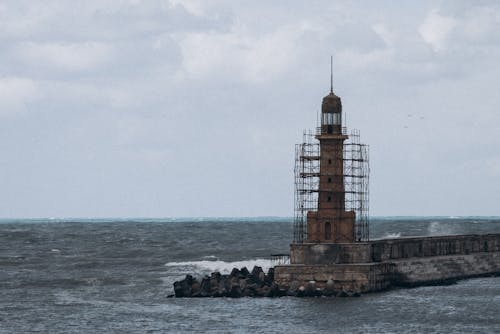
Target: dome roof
331,104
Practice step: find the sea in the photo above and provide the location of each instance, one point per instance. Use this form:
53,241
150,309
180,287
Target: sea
115,276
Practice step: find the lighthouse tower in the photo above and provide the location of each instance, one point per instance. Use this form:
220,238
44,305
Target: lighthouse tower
331,222
331,181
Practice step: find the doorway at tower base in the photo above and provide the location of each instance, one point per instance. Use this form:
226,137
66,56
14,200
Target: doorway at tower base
330,226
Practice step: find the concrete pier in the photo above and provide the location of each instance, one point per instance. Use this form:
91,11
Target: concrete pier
381,264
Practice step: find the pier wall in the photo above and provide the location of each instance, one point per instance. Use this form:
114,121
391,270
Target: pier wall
380,264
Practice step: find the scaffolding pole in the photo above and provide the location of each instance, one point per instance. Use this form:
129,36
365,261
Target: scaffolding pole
307,172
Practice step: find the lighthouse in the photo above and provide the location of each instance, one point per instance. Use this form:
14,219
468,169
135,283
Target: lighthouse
331,180
331,222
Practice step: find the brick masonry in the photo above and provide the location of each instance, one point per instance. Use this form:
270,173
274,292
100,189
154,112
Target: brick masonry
380,264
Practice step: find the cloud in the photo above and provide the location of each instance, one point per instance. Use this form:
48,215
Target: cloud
209,97
436,28
192,6
239,54
16,94
71,57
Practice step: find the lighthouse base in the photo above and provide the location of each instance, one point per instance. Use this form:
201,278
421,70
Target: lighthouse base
381,264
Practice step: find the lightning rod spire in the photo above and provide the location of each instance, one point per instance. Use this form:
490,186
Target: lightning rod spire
331,74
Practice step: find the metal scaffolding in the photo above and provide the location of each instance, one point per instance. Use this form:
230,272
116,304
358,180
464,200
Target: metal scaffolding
356,171
306,183
356,182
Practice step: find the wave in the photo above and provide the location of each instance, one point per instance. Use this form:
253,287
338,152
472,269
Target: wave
391,235
222,266
439,228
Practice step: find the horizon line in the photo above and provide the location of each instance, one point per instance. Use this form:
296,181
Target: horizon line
239,217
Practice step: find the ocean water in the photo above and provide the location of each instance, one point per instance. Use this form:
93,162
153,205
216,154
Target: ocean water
114,276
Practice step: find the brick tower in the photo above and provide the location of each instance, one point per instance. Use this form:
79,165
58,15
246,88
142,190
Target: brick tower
331,222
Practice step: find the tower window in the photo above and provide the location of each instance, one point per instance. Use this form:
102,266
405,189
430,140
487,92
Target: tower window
329,180
329,198
329,161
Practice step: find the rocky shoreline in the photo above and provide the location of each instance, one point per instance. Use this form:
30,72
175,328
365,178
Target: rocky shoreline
256,283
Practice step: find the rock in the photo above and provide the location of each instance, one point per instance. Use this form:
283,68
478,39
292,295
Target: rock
282,292
353,294
221,291
241,282
244,272
178,290
294,286
301,292
189,279
256,273
252,286
195,287
273,291
183,288
270,276
235,292
263,291
171,296
330,285
248,293
234,281
342,294
262,277
215,275
205,286
234,273
310,289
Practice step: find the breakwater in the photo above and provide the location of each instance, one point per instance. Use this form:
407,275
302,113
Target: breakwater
243,283
381,264
323,269
239,283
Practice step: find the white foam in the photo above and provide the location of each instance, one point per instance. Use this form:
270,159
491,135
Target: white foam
439,228
392,235
222,266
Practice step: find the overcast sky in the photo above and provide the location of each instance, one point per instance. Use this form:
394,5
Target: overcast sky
192,108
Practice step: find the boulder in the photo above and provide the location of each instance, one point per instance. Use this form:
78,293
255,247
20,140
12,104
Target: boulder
234,273
205,286
215,276
222,290
330,285
235,291
342,293
310,289
270,276
353,294
294,286
248,293
256,274
244,272
262,277
263,291
196,289
273,291
183,288
243,284
178,290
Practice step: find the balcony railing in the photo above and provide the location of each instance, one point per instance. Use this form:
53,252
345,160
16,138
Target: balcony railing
343,130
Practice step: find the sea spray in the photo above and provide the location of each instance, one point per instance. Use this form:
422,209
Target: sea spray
208,266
